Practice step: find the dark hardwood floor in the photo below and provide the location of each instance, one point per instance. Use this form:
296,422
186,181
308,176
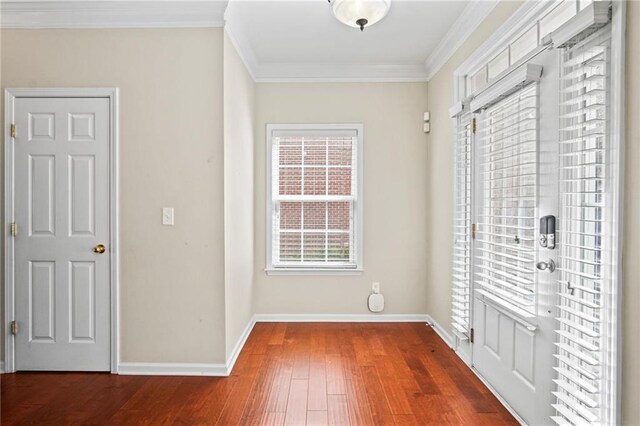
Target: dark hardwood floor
294,373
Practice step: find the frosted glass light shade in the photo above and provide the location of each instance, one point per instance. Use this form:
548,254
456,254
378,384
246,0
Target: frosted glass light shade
353,12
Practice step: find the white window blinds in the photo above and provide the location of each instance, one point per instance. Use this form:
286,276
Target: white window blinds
461,298
506,252
314,196
581,388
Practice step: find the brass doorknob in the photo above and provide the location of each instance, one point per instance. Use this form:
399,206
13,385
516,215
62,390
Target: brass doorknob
100,248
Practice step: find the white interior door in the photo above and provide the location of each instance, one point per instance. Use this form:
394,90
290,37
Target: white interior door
513,302
61,178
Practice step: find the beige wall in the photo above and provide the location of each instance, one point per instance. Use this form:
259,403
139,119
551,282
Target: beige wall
631,254
171,155
440,182
239,107
395,197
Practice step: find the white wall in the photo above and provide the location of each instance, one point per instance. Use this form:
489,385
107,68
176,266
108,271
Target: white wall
395,196
171,155
239,115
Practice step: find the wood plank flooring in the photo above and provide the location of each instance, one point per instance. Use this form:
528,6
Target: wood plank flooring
287,374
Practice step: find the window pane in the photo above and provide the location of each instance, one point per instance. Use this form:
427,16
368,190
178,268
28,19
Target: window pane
340,152
315,151
290,215
479,80
315,181
290,181
340,215
338,245
314,247
290,246
557,17
499,63
315,215
290,151
524,45
339,181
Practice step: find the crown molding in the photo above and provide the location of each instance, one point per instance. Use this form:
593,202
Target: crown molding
472,16
240,42
338,73
112,14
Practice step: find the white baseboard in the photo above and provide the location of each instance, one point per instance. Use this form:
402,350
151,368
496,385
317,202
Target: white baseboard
1,367
185,368
197,369
233,357
444,335
340,318
171,369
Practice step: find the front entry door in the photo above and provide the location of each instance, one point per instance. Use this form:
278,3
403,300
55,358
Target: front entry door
513,301
62,258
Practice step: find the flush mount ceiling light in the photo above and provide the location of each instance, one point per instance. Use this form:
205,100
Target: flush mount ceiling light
360,13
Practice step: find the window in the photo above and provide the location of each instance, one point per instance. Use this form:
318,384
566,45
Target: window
314,204
585,306
508,154
461,289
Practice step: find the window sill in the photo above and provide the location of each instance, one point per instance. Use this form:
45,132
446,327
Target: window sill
313,271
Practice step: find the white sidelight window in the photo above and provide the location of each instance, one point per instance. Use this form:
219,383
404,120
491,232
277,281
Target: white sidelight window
461,280
586,286
314,204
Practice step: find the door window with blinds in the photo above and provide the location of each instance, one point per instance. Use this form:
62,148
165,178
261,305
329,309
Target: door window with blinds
314,212
505,229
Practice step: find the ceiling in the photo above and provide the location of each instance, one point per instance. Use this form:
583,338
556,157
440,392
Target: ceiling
307,31
301,39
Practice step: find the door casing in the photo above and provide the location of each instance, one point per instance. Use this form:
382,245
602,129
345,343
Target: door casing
10,96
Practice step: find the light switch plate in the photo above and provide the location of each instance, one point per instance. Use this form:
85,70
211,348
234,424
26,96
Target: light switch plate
167,215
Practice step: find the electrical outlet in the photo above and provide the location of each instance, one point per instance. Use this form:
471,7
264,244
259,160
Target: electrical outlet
167,215
375,287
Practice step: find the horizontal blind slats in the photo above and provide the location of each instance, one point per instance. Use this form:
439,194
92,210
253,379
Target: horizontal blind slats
583,150
462,225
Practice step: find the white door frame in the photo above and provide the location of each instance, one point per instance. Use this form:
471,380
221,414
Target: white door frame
10,96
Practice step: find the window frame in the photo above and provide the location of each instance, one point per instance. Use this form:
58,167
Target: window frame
358,228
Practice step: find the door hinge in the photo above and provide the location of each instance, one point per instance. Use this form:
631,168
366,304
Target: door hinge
471,336
474,126
473,231
14,229
13,131
14,327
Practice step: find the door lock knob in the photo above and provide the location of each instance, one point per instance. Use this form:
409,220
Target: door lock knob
548,265
100,248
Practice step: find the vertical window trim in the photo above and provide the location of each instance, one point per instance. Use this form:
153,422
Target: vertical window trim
358,227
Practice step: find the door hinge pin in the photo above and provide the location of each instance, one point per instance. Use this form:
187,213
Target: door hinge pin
474,126
473,231
13,130
471,336
14,327
14,229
